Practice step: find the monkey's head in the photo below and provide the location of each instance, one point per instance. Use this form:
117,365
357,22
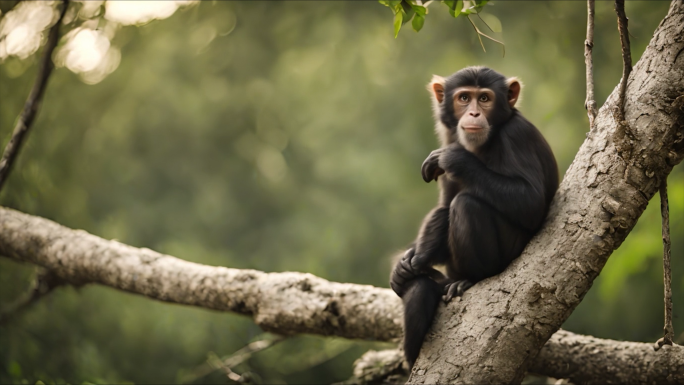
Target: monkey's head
470,104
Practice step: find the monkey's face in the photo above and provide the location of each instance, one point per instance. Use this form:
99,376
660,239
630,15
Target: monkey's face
471,103
473,107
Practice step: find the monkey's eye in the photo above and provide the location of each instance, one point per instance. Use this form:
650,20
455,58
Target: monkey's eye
484,98
463,98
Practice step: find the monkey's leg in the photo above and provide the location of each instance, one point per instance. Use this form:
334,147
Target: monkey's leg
474,240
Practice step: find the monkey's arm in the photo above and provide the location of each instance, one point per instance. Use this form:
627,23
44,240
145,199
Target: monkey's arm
519,199
404,273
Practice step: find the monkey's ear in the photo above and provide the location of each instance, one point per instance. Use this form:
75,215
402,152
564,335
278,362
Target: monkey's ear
436,87
514,87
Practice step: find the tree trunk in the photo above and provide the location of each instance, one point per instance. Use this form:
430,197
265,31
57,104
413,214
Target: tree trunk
494,333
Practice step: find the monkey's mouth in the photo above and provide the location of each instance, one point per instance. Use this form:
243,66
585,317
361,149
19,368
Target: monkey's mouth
472,129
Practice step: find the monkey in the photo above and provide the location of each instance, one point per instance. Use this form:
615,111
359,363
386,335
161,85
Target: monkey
497,177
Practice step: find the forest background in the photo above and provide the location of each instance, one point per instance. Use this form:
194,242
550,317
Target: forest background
287,136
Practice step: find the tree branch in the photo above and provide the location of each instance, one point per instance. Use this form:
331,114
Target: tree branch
228,363
626,55
43,284
590,103
494,332
283,303
581,359
667,271
33,102
598,361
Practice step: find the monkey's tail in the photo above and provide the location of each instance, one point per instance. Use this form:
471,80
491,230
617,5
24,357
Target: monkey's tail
420,304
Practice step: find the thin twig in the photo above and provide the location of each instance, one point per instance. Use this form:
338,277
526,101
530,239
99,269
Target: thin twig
503,46
485,23
229,362
315,360
43,284
33,102
667,271
216,363
590,102
626,55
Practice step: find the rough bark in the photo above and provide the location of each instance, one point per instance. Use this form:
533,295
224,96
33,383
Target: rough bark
284,303
630,362
580,359
493,334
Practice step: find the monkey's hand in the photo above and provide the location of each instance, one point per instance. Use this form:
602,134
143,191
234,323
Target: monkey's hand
430,168
403,273
458,161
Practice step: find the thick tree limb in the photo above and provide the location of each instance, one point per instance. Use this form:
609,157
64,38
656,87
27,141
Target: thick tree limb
493,334
284,303
630,362
33,102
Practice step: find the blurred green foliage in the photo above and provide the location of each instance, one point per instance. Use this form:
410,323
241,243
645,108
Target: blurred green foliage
286,136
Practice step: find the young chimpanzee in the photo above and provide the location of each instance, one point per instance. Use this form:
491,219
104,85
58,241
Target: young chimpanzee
497,177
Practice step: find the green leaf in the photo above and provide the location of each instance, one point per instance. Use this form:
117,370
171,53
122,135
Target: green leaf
419,9
408,12
457,9
407,16
479,5
397,23
418,22
394,3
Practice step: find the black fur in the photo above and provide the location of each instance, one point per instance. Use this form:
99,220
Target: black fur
492,201
420,304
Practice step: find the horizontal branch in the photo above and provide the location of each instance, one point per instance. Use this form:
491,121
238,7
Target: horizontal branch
283,303
586,359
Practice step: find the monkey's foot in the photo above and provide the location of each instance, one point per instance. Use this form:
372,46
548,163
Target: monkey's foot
456,289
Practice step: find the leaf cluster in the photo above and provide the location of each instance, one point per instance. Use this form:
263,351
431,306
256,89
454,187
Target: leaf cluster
416,10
